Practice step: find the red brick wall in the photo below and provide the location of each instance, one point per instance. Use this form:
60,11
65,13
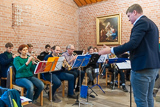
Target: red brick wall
44,22
88,14
62,22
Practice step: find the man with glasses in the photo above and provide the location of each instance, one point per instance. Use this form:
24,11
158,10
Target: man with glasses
70,58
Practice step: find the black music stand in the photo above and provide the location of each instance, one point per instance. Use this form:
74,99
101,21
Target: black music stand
93,61
126,66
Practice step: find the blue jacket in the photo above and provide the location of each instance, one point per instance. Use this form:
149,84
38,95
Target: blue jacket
7,95
143,45
5,63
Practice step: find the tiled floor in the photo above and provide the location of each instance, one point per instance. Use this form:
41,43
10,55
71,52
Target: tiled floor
111,98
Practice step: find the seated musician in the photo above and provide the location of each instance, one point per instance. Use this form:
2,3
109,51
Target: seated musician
24,73
58,76
70,58
30,49
95,49
90,68
6,60
122,75
44,53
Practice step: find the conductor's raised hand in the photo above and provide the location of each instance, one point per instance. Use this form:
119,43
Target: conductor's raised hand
105,50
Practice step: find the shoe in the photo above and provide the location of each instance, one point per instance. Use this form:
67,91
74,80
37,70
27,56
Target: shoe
92,96
77,89
124,88
154,92
92,83
34,101
111,85
72,96
89,83
104,77
56,99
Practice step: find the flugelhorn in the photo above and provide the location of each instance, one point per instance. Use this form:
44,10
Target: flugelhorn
65,64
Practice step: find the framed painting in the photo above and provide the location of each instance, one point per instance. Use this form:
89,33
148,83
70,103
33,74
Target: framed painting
108,30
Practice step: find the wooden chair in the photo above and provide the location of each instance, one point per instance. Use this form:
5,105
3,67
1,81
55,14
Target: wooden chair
2,78
110,77
21,89
86,79
50,87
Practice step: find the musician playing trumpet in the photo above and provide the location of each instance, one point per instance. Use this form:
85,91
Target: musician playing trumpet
6,60
24,73
70,58
58,76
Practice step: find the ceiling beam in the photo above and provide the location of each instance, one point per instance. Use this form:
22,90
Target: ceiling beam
78,3
93,1
83,2
99,0
88,1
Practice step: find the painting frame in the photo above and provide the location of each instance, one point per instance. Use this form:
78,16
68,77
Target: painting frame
108,29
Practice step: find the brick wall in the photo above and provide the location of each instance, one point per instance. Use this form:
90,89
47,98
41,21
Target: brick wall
62,22
88,14
43,22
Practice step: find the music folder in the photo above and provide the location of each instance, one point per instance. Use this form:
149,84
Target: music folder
94,59
124,65
117,60
102,58
52,64
81,60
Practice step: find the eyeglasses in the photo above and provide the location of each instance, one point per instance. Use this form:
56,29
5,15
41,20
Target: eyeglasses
71,49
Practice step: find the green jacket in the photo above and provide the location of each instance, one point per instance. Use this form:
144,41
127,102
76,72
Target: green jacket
23,71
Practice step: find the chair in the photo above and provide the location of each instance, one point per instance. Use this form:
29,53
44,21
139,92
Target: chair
86,79
50,87
12,85
2,78
110,77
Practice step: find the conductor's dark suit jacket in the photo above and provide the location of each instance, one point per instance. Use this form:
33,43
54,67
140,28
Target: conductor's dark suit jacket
143,45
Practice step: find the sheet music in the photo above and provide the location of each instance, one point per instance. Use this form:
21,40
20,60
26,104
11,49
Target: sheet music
102,58
59,63
24,99
124,65
45,66
96,70
78,61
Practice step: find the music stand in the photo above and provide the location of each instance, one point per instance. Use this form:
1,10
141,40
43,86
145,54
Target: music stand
126,66
49,66
81,61
93,61
114,61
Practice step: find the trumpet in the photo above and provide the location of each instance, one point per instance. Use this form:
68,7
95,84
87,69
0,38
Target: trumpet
35,60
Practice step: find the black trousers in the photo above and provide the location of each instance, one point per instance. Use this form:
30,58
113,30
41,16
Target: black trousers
76,72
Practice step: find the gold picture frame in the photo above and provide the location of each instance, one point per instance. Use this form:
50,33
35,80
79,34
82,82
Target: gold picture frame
108,30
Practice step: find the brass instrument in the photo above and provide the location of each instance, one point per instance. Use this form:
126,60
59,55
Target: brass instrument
103,65
35,60
113,64
65,63
74,54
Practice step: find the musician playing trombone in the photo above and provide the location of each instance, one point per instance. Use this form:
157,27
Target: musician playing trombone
58,76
